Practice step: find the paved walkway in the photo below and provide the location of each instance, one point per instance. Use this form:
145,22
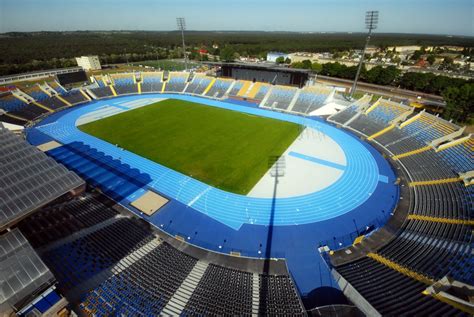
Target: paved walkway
312,163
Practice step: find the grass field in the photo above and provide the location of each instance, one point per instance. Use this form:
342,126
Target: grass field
226,149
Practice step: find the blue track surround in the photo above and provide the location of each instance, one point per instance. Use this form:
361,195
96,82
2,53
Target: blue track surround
319,161
291,228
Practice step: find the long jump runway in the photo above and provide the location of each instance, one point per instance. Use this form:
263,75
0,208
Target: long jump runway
364,195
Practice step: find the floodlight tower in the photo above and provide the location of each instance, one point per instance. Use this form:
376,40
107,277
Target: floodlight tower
182,26
371,20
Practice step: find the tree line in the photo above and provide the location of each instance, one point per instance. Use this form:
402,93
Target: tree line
20,52
391,75
24,52
458,93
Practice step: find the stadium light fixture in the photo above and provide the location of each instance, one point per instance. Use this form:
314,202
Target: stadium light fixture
181,27
371,21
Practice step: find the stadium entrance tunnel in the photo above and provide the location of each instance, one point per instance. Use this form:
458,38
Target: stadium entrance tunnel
324,296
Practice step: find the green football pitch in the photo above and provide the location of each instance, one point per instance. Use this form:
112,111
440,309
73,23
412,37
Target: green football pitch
226,149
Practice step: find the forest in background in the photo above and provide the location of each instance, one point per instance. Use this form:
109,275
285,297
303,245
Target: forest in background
23,52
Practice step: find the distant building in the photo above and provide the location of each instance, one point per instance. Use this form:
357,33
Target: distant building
408,49
461,62
301,56
454,48
421,63
371,50
89,62
249,59
272,56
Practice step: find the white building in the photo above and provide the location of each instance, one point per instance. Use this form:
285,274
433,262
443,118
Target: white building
272,56
89,62
407,49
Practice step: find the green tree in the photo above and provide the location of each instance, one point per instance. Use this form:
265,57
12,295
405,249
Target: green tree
396,59
416,55
349,72
382,75
388,75
459,102
194,55
448,64
287,61
331,69
316,67
423,81
280,60
431,59
337,55
373,74
307,64
298,65
414,81
227,54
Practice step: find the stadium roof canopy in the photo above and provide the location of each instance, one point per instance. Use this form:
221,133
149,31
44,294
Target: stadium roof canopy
29,179
259,66
22,271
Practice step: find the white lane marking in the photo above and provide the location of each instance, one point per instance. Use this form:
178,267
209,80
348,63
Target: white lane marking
199,196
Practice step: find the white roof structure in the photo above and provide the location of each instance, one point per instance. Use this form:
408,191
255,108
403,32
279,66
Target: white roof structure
22,272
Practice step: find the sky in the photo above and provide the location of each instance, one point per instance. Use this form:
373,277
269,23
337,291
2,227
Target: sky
451,17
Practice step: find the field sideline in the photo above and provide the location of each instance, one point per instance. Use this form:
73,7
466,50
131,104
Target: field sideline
223,148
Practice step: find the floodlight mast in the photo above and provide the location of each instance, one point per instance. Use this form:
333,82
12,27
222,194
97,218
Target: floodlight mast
182,26
371,20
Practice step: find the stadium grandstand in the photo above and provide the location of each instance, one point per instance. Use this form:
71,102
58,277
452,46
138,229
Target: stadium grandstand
124,83
36,93
311,99
219,88
151,82
176,82
279,98
199,84
367,210
238,86
16,108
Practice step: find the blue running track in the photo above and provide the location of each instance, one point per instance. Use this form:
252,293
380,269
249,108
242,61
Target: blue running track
363,196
